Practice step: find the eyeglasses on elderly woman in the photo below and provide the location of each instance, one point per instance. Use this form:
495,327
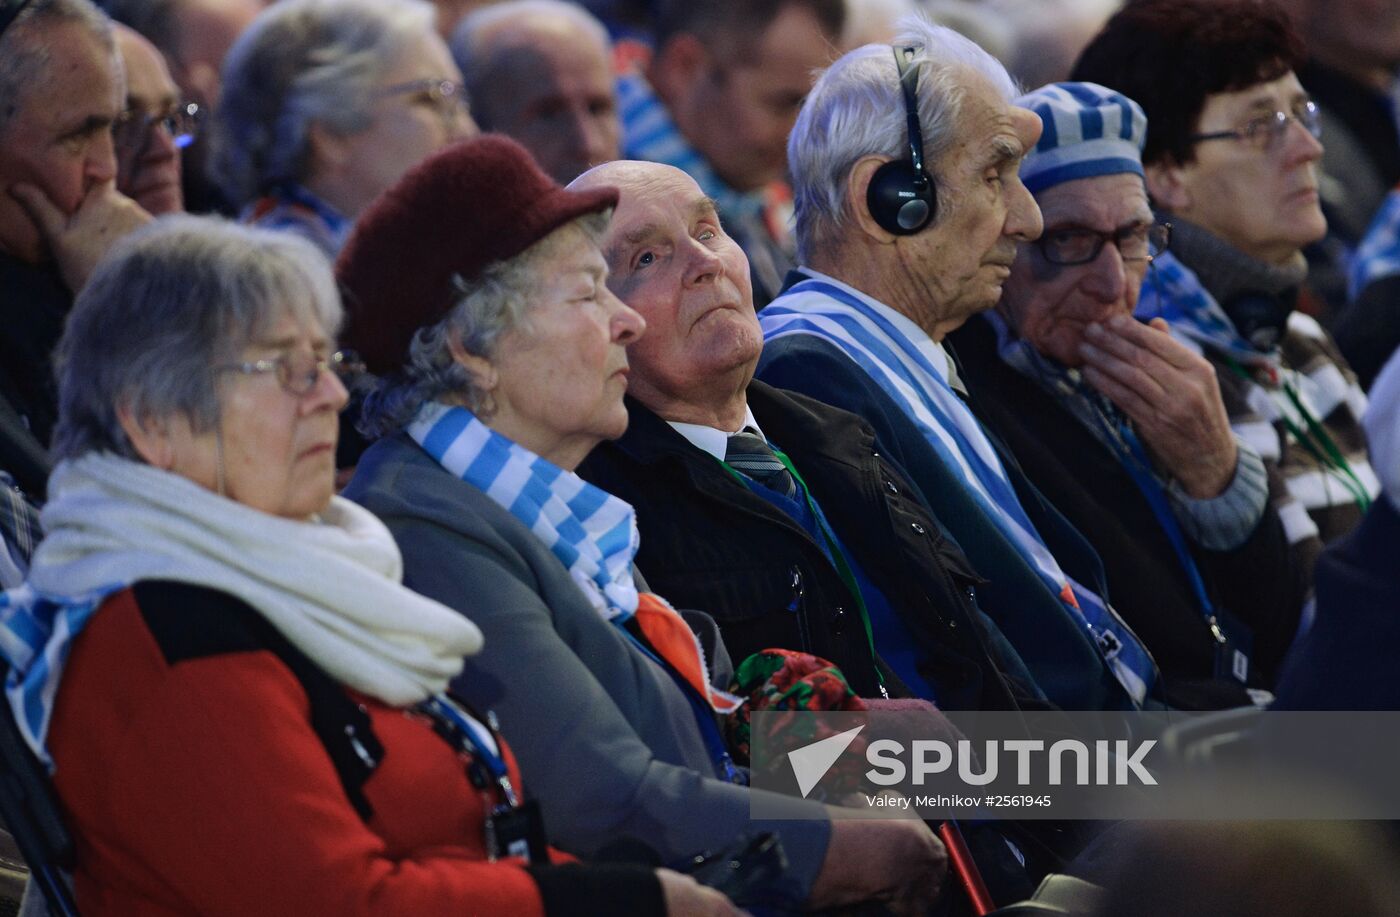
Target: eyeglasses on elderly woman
1265,132
298,373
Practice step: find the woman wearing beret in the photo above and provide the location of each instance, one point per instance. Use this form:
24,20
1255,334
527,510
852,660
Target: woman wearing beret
476,288
243,709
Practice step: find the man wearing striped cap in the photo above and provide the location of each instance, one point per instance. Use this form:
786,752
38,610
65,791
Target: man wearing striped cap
884,281
1121,426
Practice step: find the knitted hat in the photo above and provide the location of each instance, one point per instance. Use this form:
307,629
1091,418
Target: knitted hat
1090,130
448,219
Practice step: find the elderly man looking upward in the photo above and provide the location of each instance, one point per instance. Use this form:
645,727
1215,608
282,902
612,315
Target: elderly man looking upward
1121,426
774,513
717,101
1232,161
540,71
896,258
60,93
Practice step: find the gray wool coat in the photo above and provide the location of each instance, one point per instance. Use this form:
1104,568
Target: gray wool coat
604,739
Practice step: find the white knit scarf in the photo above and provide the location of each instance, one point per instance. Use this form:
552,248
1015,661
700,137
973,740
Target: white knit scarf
332,586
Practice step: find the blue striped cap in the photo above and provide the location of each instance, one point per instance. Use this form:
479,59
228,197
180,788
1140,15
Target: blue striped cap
1089,130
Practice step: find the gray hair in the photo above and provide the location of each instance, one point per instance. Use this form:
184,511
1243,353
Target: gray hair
23,60
856,109
476,56
491,305
303,62
168,303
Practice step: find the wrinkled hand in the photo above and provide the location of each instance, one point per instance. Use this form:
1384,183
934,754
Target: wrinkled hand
1172,396
78,241
687,898
897,861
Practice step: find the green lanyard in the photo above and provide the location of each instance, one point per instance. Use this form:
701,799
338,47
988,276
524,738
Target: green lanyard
1316,440
843,566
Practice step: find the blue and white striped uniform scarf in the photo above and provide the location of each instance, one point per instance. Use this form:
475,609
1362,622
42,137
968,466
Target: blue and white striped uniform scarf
1378,255
1172,291
901,361
35,639
592,533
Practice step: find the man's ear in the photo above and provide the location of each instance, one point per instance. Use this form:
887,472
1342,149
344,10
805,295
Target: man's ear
678,66
149,437
857,185
1167,185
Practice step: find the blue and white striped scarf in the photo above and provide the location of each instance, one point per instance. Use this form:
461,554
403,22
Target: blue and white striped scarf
901,361
1172,291
650,134
1378,255
592,533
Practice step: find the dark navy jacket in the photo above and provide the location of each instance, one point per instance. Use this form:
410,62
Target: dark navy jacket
1061,655
709,542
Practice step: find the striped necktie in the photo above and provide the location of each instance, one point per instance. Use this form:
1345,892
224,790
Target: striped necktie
748,453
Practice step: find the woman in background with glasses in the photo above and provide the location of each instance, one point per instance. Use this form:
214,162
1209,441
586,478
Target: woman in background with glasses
1232,159
325,104
1122,427
243,709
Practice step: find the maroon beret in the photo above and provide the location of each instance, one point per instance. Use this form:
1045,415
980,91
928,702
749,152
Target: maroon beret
451,216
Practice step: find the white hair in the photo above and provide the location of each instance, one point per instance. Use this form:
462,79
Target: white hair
856,109
169,302
303,62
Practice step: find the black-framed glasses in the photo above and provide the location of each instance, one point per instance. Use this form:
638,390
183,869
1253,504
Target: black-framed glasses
1266,131
447,97
1079,244
181,122
299,372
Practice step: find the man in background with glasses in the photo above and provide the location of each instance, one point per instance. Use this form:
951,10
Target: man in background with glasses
1121,426
154,128
1232,161
60,96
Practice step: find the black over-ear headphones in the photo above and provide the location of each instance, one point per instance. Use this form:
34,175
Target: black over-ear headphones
901,195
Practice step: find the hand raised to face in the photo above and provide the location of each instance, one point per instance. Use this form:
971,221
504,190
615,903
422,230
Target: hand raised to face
1171,395
80,239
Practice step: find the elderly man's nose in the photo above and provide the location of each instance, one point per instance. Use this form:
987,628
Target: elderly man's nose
704,264
159,141
1023,220
1106,277
101,162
